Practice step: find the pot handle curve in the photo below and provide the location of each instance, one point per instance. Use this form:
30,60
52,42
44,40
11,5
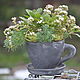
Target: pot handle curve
72,52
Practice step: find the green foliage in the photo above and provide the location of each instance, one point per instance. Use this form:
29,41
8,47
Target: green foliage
45,35
41,25
17,39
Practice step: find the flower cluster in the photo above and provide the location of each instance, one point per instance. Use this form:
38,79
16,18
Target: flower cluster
62,9
41,25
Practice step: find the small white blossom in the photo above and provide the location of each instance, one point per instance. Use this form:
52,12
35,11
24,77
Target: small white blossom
13,18
64,7
72,18
47,11
7,29
39,30
32,33
64,29
8,32
10,27
20,22
69,21
58,10
49,7
77,27
57,21
40,21
63,12
60,17
30,19
9,37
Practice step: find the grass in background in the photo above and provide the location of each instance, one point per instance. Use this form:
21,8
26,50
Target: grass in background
11,59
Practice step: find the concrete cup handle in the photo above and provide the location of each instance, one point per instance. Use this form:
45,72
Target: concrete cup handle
72,52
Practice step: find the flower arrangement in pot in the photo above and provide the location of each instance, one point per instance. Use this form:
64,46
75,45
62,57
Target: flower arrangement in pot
44,31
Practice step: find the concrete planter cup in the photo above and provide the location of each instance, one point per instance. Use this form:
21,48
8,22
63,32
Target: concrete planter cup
47,55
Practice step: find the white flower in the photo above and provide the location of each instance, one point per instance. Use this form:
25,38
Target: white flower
40,21
64,7
9,37
20,22
8,32
57,21
58,10
72,18
10,27
77,27
13,18
63,12
49,7
39,30
64,29
7,29
32,33
60,17
30,19
47,11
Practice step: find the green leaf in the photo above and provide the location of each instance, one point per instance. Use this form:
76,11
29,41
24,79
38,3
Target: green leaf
46,17
29,12
65,35
77,35
39,10
45,35
22,18
17,39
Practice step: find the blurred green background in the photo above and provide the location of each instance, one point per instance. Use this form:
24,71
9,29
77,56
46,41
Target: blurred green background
11,8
